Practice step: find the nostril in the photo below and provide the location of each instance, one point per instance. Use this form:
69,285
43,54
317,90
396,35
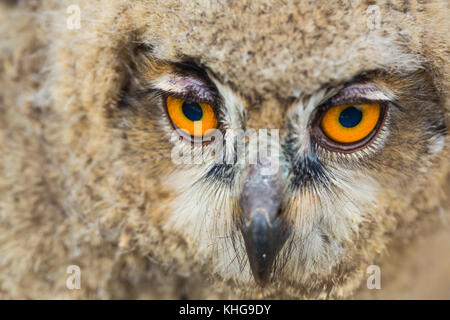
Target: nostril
261,192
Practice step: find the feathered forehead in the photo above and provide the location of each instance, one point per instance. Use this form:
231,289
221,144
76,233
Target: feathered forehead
262,49
280,48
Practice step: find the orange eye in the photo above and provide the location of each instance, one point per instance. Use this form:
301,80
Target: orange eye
192,117
349,123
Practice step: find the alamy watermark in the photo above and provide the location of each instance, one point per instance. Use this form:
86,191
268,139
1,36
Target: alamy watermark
374,279
73,281
73,21
236,146
373,14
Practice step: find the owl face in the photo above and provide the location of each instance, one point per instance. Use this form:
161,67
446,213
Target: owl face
282,193
285,141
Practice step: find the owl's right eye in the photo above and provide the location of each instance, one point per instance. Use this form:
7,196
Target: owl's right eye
193,118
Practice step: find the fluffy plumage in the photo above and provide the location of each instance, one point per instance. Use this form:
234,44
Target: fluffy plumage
86,175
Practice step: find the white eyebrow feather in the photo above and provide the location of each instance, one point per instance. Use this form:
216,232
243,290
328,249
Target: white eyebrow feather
176,83
369,91
164,83
186,86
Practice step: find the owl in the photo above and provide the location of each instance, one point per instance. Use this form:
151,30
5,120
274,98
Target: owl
224,149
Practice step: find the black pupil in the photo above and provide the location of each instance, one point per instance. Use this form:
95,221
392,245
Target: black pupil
350,117
192,110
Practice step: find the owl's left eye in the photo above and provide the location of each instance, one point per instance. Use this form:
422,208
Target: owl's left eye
349,123
194,118
347,127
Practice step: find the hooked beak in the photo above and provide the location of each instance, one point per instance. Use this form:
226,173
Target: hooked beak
262,226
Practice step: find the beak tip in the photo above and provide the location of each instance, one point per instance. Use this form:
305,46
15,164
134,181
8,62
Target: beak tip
261,280
263,240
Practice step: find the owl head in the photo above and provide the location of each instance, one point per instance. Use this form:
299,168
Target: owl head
269,146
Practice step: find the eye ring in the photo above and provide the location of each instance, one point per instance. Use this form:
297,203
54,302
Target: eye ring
321,138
